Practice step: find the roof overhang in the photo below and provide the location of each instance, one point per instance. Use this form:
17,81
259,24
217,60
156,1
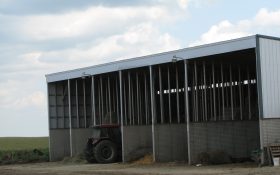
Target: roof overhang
187,53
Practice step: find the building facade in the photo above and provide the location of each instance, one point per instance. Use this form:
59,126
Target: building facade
222,96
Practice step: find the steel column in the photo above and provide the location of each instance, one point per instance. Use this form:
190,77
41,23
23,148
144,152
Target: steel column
85,107
223,93
205,92
240,94
169,95
70,119
93,101
137,99
109,99
146,99
161,96
231,91
153,110
77,104
214,91
177,95
121,108
187,110
249,94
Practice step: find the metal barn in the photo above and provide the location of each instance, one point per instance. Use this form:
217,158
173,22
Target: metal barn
175,105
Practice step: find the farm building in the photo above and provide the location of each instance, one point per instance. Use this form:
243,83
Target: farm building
175,105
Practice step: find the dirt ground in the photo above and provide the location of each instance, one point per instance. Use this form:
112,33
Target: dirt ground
59,168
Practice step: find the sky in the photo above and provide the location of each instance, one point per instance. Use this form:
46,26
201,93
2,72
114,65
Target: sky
38,37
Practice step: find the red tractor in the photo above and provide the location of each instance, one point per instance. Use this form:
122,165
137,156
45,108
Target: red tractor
105,145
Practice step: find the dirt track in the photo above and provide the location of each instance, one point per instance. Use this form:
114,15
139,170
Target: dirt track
132,169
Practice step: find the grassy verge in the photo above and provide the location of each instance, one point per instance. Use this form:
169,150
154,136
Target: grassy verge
23,150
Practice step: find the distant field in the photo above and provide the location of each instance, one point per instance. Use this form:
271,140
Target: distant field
23,143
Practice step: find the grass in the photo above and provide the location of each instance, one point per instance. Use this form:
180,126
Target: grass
23,149
23,143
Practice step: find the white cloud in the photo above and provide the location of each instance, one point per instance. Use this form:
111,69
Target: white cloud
264,22
92,21
37,99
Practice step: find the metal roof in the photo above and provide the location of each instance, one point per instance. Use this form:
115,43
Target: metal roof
186,53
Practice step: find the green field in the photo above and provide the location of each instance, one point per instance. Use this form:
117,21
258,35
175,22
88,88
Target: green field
23,149
23,143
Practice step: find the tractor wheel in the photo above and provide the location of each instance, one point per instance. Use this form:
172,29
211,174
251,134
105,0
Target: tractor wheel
89,155
105,152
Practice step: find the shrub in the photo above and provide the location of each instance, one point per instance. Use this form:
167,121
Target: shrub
24,156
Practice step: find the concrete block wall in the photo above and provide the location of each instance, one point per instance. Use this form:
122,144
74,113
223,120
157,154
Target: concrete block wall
171,142
59,144
270,131
237,138
137,141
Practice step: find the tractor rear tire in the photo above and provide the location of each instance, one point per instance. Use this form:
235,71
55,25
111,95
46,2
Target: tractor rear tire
105,152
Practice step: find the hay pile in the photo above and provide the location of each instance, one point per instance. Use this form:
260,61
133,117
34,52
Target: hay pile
145,160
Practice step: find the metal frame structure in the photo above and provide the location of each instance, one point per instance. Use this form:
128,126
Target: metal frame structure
203,84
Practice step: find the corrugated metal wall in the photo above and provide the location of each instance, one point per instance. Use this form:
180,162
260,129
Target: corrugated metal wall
269,52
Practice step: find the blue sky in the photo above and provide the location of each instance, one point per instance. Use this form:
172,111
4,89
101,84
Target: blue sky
41,37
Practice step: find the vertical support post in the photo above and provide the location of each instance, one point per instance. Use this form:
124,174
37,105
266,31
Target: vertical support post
124,100
231,93
153,110
214,91
121,109
205,92
129,99
187,109
223,93
77,104
196,91
249,93
146,99
101,100
93,101
137,99
160,95
240,94
109,99
117,99
85,107
70,118
177,95
169,95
